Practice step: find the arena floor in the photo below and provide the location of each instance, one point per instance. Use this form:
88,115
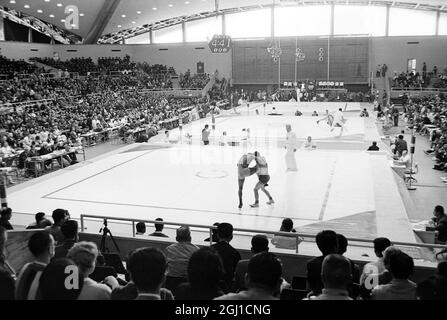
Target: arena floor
337,186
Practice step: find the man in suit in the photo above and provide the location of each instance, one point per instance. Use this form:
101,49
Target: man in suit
373,147
327,244
263,279
230,256
440,220
401,145
41,245
158,229
70,231
259,243
336,275
147,267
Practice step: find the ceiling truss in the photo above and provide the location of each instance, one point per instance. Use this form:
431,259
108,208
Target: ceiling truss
117,37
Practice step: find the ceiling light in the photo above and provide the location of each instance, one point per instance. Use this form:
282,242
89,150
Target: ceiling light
133,22
119,26
26,6
81,14
70,10
39,11
171,5
63,20
59,4
138,12
154,8
186,2
51,15
47,0
12,1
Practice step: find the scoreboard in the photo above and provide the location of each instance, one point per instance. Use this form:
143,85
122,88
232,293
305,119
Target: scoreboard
220,44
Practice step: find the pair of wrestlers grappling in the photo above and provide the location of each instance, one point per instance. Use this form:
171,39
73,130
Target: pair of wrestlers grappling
261,168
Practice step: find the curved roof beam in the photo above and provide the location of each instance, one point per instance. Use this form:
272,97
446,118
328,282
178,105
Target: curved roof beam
103,19
116,37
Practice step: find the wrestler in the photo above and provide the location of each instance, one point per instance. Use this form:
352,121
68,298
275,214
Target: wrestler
244,170
264,178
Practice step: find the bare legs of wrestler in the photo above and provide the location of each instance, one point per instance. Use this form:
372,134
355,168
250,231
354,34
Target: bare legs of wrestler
261,186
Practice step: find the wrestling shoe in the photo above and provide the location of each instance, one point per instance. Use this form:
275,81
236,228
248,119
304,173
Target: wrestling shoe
255,205
270,202
240,206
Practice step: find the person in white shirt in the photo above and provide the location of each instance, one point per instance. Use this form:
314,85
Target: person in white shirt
404,160
339,121
291,146
84,255
309,144
223,141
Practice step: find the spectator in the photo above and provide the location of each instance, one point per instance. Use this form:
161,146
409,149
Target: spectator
364,113
59,216
5,217
286,242
433,288
337,277
158,229
440,221
129,290
148,284
229,255
41,222
69,230
327,243
7,285
376,267
84,255
341,250
41,246
53,281
400,287
264,278
205,271
140,228
259,243
214,234
206,135
178,255
7,282
373,147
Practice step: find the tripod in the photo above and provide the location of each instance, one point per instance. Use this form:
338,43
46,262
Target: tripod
105,230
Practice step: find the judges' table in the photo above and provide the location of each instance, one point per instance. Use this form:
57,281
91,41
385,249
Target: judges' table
37,164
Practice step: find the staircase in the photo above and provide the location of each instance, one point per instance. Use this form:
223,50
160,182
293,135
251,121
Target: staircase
383,85
210,84
175,82
47,68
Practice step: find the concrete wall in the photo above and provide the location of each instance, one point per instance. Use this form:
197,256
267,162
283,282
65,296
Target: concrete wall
21,50
394,51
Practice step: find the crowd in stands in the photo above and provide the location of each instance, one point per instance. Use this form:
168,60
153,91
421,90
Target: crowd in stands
195,81
418,80
429,116
184,271
60,110
13,68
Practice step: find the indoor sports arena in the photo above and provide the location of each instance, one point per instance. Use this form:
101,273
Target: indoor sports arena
223,150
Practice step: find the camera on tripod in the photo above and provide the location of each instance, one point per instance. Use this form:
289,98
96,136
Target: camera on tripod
106,231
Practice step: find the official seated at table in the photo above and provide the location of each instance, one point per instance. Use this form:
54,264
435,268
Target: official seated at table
440,224
309,144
